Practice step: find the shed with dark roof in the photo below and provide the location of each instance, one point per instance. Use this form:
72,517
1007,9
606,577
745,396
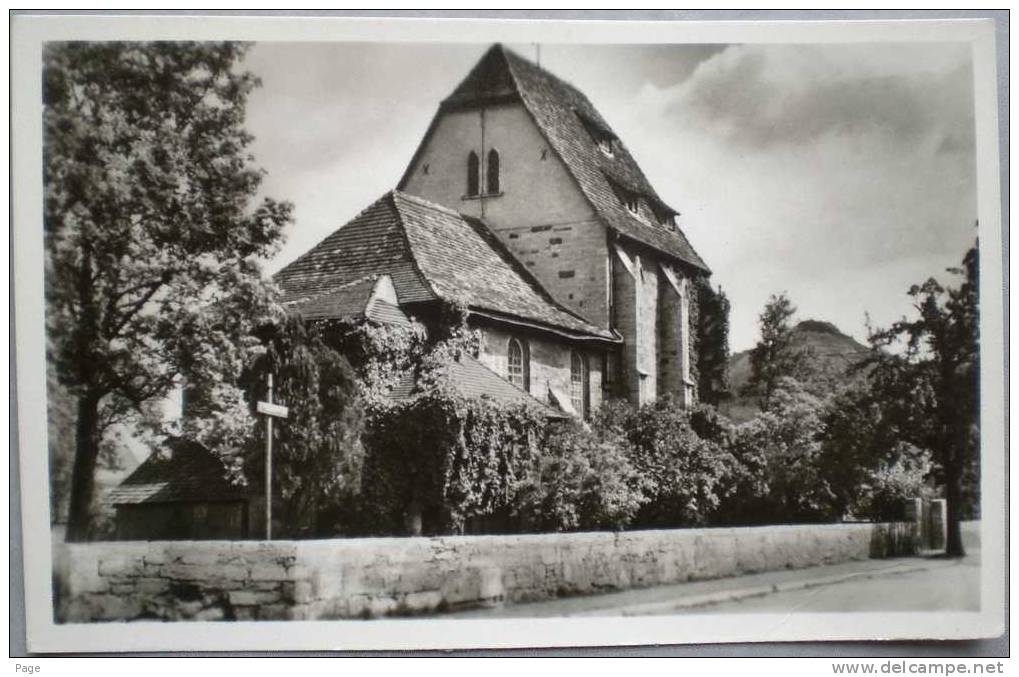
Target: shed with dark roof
180,492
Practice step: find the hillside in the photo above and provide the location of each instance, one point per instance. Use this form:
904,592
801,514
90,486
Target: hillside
832,354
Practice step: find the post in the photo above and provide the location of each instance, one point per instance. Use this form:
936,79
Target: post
270,409
268,467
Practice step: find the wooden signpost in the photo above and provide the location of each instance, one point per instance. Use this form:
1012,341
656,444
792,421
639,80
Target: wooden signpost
270,410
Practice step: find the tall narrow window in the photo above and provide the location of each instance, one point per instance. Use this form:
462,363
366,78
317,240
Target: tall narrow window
517,364
578,383
473,174
492,176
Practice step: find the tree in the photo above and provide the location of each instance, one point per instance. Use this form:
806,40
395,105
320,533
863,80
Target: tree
931,384
580,480
776,355
317,451
783,447
682,474
147,189
712,343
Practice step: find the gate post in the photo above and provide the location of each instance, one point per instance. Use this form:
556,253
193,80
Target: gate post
938,524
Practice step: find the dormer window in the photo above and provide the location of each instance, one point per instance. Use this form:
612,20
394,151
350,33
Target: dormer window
632,203
600,133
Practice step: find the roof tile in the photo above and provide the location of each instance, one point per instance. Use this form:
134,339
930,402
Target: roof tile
188,472
430,252
470,378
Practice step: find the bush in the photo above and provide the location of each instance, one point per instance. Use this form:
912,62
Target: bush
580,480
317,455
778,463
682,474
883,497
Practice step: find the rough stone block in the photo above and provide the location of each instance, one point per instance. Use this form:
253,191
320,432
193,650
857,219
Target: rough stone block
303,592
274,612
244,613
119,566
152,586
242,598
269,596
420,602
381,606
268,572
210,614
115,608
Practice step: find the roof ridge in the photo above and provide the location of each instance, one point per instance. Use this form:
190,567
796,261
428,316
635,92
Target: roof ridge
339,287
410,246
396,192
515,61
371,205
509,53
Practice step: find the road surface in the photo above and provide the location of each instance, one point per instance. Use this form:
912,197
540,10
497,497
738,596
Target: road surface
903,584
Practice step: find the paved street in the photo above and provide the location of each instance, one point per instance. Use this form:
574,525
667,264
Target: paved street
945,585
904,584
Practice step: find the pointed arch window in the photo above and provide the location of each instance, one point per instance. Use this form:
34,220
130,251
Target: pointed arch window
473,174
579,392
492,173
518,364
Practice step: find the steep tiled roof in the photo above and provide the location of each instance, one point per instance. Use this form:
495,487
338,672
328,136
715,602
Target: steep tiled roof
471,378
431,252
371,244
345,301
350,302
188,473
386,313
564,115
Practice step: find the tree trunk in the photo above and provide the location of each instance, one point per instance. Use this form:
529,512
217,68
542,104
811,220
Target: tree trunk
953,500
83,473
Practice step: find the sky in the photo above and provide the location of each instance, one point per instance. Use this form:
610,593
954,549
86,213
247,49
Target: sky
837,174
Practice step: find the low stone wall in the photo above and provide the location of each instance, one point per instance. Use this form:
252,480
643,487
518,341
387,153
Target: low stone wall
367,578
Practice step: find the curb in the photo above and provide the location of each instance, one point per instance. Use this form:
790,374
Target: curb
718,597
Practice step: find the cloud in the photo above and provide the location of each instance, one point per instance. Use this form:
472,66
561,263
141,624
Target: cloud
760,96
838,173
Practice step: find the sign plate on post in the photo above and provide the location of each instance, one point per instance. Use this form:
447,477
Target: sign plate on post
270,409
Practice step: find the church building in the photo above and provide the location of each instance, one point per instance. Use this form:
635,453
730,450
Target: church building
522,203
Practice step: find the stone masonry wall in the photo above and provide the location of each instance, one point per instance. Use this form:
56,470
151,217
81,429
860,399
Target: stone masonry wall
635,306
549,362
540,212
366,578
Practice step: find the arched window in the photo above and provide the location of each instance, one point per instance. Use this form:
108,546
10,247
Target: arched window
492,176
578,383
473,174
517,364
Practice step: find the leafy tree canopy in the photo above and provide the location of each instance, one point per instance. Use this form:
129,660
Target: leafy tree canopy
776,355
926,370
149,224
